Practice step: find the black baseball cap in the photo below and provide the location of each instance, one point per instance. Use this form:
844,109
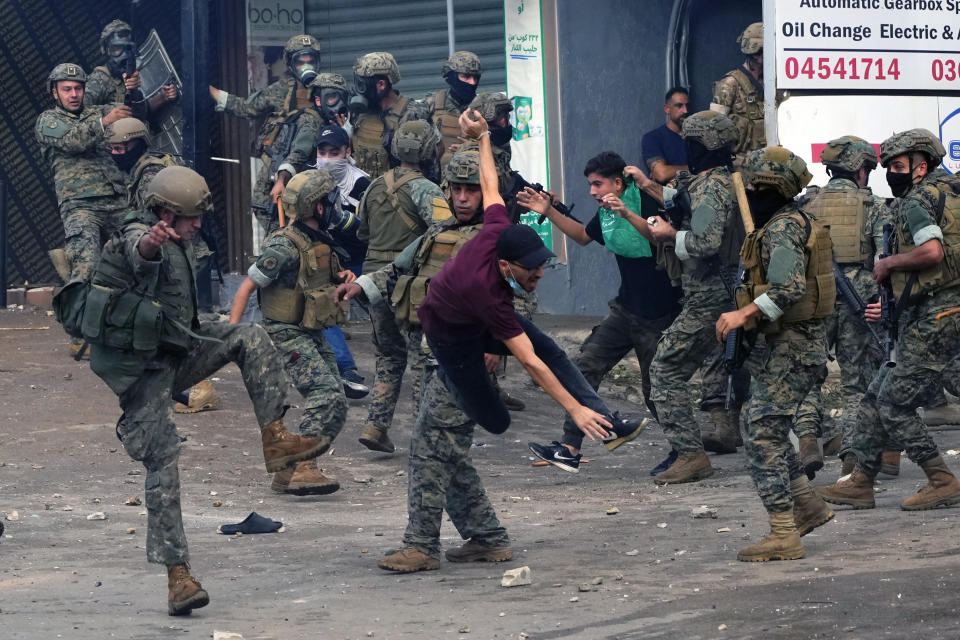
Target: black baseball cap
334,136
519,243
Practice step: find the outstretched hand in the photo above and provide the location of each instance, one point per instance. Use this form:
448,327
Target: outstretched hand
593,424
534,200
346,292
151,241
472,124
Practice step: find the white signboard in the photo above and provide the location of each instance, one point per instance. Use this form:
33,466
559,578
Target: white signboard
273,22
868,44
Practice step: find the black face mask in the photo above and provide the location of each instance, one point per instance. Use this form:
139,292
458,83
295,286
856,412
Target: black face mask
699,158
121,55
462,92
899,183
125,161
501,136
764,203
430,170
332,103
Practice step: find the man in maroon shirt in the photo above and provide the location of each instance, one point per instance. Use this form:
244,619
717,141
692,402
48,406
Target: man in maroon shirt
468,313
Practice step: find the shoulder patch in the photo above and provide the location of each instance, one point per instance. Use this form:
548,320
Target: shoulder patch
52,127
270,263
441,210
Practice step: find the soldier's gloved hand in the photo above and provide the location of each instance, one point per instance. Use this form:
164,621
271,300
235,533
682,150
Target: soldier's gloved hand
346,276
347,291
118,112
133,82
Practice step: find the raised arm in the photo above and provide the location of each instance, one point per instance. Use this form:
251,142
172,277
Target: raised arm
473,126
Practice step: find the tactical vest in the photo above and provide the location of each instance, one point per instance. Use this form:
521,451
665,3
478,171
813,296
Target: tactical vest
843,210
821,290
143,316
747,113
310,303
372,134
120,91
434,252
153,162
447,122
391,217
946,273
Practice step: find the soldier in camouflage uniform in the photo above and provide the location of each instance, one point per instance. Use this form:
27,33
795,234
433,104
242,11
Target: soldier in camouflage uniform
462,72
108,84
397,208
924,274
331,98
288,138
377,111
786,295
706,241
296,276
147,344
739,94
90,189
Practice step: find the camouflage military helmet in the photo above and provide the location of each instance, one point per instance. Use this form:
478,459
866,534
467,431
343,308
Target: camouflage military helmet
712,129
491,105
301,43
465,62
66,71
778,168
329,81
463,168
179,189
751,40
127,129
378,63
849,153
304,191
415,141
910,141
115,26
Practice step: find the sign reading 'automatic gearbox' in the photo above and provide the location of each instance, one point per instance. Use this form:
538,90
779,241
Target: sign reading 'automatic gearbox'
868,44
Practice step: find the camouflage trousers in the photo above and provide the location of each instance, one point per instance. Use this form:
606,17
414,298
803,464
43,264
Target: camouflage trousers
442,476
608,343
685,345
145,388
395,348
311,365
928,350
783,373
87,225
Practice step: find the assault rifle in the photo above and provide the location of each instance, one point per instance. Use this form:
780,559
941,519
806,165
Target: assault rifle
279,148
737,348
133,98
856,303
519,183
888,310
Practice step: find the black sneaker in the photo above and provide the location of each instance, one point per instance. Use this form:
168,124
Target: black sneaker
353,385
624,430
665,464
557,455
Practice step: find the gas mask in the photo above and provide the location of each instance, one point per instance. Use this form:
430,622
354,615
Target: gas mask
365,93
334,218
332,102
307,71
121,55
126,161
462,92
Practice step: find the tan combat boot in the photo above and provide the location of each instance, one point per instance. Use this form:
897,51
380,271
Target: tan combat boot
476,552
282,448
203,397
723,437
942,488
782,543
855,490
376,440
76,348
809,509
688,467
408,560
849,462
185,592
832,446
890,463
305,479
810,458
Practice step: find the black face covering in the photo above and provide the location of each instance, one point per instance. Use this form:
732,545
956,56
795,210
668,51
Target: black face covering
899,183
764,203
430,170
462,92
121,55
699,158
501,136
125,161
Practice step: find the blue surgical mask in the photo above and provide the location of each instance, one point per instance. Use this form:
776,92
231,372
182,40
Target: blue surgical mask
512,281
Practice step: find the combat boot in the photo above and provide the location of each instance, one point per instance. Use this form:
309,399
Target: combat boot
782,543
855,490
849,462
305,479
942,488
832,446
735,422
890,463
376,440
476,552
408,560
511,403
203,397
723,438
80,351
810,459
185,592
689,467
809,509
281,448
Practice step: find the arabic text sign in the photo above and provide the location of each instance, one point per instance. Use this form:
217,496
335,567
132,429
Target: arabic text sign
868,44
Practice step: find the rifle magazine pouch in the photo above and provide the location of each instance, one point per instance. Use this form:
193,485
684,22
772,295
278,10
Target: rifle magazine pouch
95,313
668,261
120,320
68,306
319,309
282,305
400,298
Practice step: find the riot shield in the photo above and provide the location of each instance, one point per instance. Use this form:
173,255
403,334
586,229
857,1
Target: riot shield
156,70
